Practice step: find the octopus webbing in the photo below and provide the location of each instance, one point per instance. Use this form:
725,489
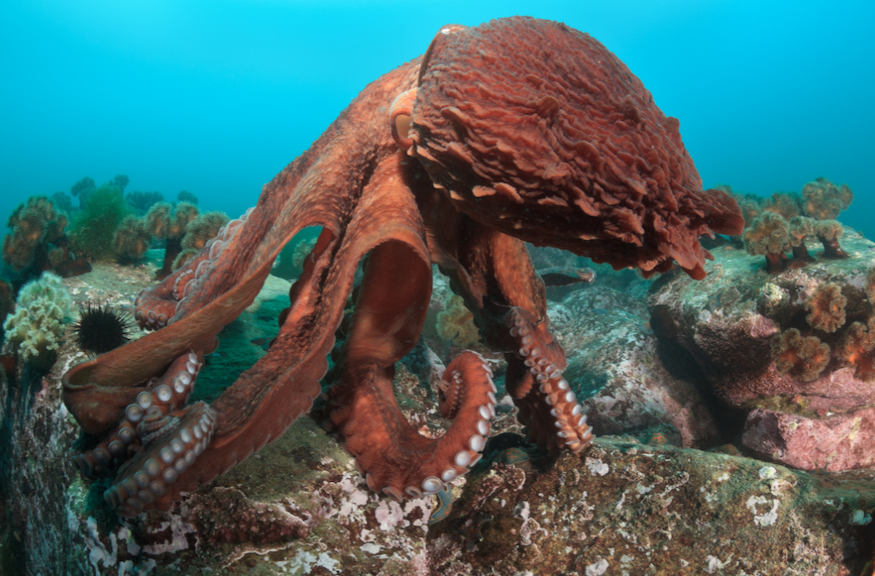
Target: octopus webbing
517,130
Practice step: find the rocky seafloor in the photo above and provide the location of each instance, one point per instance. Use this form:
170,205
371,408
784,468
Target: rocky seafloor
709,460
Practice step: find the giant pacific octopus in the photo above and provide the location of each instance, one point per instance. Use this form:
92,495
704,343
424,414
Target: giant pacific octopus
519,130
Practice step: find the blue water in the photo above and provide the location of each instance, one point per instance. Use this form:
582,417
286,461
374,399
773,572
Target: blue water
216,97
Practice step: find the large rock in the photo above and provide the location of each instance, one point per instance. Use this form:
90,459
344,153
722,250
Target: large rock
614,369
836,442
38,535
629,509
726,323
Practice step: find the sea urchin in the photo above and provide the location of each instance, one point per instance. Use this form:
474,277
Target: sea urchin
101,328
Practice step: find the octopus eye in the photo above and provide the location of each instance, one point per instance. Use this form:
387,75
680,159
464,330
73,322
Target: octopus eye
399,116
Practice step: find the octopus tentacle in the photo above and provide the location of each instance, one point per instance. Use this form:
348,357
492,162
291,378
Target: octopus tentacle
328,186
157,307
143,480
547,404
467,398
494,273
281,386
101,461
394,458
161,396
99,390
320,188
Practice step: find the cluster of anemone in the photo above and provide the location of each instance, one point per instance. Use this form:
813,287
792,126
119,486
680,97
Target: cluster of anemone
182,229
44,238
839,331
200,230
36,327
106,227
782,223
38,240
802,357
169,223
823,200
163,222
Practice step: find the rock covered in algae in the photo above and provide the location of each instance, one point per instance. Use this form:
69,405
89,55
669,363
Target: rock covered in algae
629,509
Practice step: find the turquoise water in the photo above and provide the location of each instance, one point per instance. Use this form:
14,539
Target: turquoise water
216,97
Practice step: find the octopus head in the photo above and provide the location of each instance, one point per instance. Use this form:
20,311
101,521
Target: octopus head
537,130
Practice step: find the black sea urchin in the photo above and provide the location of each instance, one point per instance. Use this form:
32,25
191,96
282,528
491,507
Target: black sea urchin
102,328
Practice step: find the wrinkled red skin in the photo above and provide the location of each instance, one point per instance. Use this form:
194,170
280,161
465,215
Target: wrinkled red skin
561,145
566,167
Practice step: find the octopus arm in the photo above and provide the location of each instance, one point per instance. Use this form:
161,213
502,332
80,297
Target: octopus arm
500,286
389,314
327,186
97,391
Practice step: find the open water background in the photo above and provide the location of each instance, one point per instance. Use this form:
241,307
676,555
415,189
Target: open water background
215,97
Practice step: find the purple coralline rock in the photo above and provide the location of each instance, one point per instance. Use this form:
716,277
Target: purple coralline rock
836,442
726,324
614,368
